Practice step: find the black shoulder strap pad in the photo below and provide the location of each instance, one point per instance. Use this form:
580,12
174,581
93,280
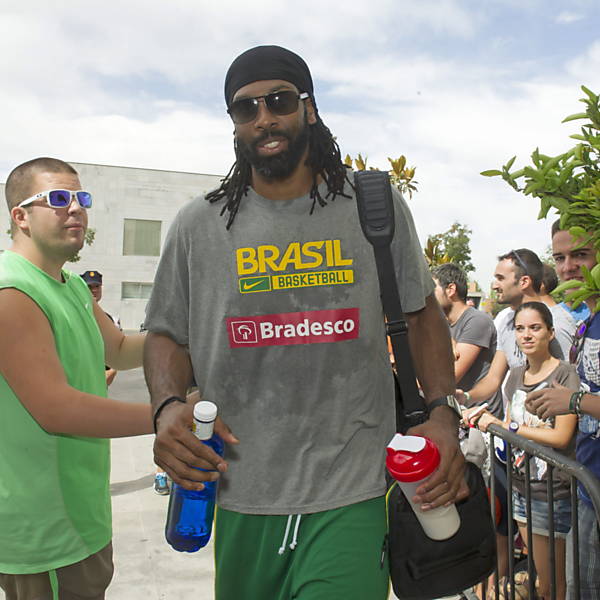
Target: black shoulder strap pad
376,212
375,206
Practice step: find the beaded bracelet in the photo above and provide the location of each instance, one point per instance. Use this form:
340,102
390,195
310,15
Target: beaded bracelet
163,404
572,401
577,406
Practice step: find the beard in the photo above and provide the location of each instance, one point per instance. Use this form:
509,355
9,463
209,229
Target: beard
281,165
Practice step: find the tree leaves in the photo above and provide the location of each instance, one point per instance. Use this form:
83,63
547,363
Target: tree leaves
568,182
452,245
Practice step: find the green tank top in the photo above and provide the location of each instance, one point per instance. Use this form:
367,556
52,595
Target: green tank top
54,489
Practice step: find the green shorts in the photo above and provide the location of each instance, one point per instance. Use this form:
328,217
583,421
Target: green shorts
330,555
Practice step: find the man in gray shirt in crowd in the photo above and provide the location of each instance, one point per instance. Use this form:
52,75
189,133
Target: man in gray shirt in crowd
472,330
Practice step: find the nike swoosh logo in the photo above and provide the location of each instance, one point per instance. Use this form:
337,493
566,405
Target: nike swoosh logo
248,286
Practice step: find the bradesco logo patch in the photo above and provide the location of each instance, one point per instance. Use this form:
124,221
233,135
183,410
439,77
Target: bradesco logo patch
309,327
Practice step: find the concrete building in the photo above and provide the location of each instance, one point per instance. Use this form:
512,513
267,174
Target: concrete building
132,211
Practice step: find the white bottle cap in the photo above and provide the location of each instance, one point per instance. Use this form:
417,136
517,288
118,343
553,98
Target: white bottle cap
205,411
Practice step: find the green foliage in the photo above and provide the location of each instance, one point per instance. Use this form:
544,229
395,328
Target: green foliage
547,257
495,306
434,253
451,246
90,236
569,183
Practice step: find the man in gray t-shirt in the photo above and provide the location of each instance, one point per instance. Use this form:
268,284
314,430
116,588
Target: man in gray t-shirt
267,294
473,331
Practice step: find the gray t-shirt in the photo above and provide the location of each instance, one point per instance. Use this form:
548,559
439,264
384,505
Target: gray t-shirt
285,329
477,328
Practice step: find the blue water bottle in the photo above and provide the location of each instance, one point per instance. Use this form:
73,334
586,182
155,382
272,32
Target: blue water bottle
190,515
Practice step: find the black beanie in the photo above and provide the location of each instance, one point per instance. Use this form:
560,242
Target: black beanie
267,62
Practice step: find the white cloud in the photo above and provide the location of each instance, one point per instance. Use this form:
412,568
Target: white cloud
566,17
586,68
116,83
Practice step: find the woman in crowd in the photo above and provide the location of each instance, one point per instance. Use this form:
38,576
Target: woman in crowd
534,331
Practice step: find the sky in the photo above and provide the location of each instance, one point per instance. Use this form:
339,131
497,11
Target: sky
457,86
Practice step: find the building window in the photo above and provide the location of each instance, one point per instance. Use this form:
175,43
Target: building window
141,237
135,289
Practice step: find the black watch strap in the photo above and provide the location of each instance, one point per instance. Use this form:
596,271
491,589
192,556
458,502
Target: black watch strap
449,401
162,405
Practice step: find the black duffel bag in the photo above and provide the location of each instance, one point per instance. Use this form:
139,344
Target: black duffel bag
422,568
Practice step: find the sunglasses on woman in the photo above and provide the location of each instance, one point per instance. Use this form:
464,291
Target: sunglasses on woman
284,102
61,198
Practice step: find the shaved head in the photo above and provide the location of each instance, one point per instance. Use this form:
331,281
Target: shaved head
18,183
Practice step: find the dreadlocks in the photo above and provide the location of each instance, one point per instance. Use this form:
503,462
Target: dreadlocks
324,159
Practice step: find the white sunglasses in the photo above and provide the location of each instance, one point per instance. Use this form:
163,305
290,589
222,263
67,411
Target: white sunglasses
61,198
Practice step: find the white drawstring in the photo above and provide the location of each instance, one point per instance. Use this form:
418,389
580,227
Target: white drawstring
285,535
295,538
287,531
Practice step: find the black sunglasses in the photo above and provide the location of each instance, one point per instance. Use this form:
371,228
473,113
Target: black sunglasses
577,341
520,261
284,102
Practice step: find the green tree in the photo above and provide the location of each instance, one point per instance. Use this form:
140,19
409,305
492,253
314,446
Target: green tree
495,306
569,183
435,254
547,258
90,235
452,245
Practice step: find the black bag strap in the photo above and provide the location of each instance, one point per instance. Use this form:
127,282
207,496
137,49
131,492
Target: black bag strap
376,213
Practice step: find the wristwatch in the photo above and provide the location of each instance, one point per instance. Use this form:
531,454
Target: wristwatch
450,401
513,426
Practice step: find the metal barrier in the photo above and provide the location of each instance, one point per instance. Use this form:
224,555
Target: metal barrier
555,461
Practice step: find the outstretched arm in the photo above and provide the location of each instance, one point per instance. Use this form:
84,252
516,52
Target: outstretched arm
553,401
432,355
121,351
32,368
558,436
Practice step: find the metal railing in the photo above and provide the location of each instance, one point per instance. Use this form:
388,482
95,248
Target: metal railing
574,470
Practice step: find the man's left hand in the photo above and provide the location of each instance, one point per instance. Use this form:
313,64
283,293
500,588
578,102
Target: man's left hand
447,484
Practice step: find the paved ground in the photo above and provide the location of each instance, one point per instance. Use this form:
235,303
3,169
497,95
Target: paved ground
146,567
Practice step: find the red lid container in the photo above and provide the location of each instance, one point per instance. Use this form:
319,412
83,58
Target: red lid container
409,466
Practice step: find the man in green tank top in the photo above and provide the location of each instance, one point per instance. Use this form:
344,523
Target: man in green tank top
55,418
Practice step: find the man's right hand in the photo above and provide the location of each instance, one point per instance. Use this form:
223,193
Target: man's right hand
177,450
